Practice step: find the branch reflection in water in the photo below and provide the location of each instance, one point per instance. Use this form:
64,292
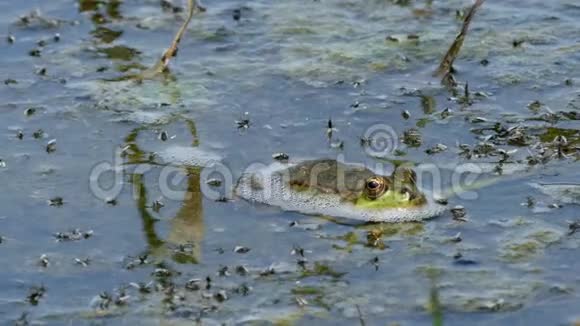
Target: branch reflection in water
183,244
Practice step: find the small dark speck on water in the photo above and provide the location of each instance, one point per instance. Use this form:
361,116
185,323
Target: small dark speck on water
163,136
280,156
38,134
241,249
516,43
51,146
35,294
29,111
573,227
111,201
237,14
34,53
243,123
56,201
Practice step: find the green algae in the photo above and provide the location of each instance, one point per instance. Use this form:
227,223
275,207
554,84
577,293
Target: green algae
321,269
527,247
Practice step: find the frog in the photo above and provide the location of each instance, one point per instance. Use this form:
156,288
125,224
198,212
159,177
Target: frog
328,187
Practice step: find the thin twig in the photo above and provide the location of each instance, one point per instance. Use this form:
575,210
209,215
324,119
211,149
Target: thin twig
163,62
447,62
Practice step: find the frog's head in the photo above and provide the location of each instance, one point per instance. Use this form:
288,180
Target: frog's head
396,191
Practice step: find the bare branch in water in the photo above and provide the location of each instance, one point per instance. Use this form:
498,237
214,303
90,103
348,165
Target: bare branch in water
163,62
447,62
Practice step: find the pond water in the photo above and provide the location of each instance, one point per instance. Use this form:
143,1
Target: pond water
146,242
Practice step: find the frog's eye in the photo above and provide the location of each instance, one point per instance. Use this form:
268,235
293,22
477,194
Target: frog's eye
373,184
375,187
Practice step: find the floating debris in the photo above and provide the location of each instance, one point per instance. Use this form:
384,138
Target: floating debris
375,239
43,261
83,262
168,6
412,137
224,271
38,134
241,249
329,129
337,145
34,53
221,296
301,301
280,156
157,205
29,111
51,146
139,261
442,201
243,123
268,271
375,263
243,289
237,14
573,227
56,201
241,270
436,149
73,235
193,284
111,201
459,213
35,294
163,135
517,42
456,238
446,113
535,106
41,71
142,287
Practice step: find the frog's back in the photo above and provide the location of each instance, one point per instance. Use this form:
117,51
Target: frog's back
328,176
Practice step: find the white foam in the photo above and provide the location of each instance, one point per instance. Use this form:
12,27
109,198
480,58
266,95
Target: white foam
268,186
187,155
